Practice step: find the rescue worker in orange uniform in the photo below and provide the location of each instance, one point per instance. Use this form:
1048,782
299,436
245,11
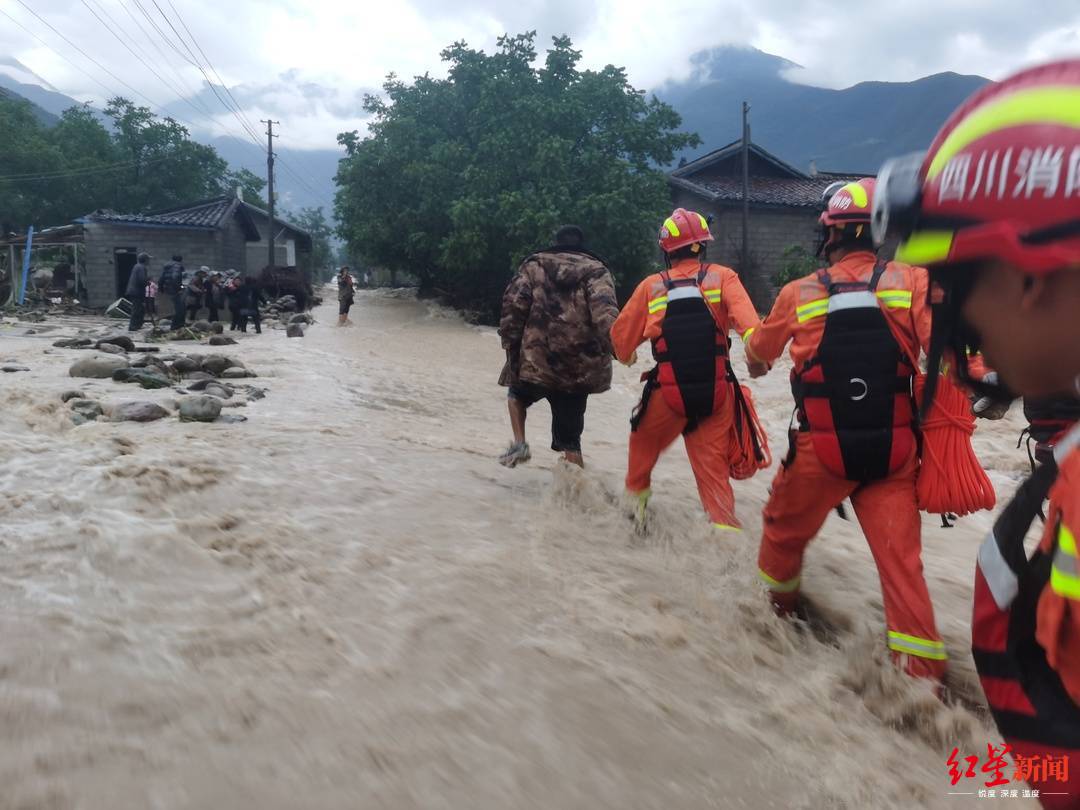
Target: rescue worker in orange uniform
855,331
993,211
686,312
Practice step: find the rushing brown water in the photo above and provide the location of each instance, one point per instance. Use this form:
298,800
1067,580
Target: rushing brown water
345,602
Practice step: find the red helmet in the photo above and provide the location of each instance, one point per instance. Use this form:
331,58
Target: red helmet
683,228
849,203
848,206
1001,179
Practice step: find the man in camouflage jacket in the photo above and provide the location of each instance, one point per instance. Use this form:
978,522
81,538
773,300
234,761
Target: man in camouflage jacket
557,313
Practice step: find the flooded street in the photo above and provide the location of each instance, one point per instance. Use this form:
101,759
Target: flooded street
345,602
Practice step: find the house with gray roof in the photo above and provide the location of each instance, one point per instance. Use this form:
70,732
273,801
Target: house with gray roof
785,204
224,233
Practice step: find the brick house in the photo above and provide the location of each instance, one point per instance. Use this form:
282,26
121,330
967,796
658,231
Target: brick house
223,233
784,207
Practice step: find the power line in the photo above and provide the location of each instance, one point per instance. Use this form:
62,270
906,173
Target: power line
100,66
107,90
138,56
239,113
108,72
113,167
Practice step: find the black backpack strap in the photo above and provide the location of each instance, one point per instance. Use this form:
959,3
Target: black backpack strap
879,270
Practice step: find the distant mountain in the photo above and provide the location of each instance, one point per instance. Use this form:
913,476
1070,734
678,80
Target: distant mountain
20,80
317,167
853,129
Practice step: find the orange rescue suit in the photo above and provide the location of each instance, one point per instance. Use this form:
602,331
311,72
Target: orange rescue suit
806,490
707,443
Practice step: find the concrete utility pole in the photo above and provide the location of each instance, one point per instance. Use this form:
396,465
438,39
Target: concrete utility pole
270,186
744,260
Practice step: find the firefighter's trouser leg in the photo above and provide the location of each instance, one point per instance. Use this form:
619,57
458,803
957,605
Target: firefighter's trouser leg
707,447
658,429
802,496
889,515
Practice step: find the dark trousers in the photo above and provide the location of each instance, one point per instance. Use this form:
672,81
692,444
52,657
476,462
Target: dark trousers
237,319
138,315
255,316
179,310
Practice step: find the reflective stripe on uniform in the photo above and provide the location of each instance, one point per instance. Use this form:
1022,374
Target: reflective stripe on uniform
1064,576
853,300
746,335
657,304
713,296
913,645
812,309
999,577
895,299
726,527
776,585
679,293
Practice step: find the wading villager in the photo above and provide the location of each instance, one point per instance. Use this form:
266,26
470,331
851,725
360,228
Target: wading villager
556,315
345,294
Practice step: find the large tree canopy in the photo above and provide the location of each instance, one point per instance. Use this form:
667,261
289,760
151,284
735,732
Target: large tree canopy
460,178
51,175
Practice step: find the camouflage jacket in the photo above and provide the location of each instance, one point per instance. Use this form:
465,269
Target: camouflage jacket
557,314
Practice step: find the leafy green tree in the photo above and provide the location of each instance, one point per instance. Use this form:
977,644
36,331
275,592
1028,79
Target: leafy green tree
797,262
313,220
460,178
52,175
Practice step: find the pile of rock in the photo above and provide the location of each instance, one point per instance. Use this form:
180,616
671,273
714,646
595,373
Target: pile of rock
203,401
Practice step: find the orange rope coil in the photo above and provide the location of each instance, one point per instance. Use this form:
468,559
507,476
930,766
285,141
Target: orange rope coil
951,479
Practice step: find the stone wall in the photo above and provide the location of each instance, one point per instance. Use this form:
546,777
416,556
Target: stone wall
771,232
197,246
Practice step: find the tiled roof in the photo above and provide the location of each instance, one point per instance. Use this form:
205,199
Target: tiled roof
794,192
208,214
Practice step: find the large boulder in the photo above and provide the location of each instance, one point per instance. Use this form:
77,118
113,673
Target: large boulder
137,412
110,348
200,409
123,341
217,327
98,366
11,369
67,396
203,327
301,317
218,390
84,410
225,390
221,340
236,373
294,330
186,365
73,343
144,377
217,363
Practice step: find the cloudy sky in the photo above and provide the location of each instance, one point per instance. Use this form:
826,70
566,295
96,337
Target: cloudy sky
307,63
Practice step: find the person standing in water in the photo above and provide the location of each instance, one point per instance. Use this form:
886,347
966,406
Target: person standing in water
346,292
557,314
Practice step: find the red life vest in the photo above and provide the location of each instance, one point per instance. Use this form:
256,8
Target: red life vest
1027,699
854,394
692,371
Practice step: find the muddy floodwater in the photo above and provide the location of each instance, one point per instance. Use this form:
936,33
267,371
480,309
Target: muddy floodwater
345,602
